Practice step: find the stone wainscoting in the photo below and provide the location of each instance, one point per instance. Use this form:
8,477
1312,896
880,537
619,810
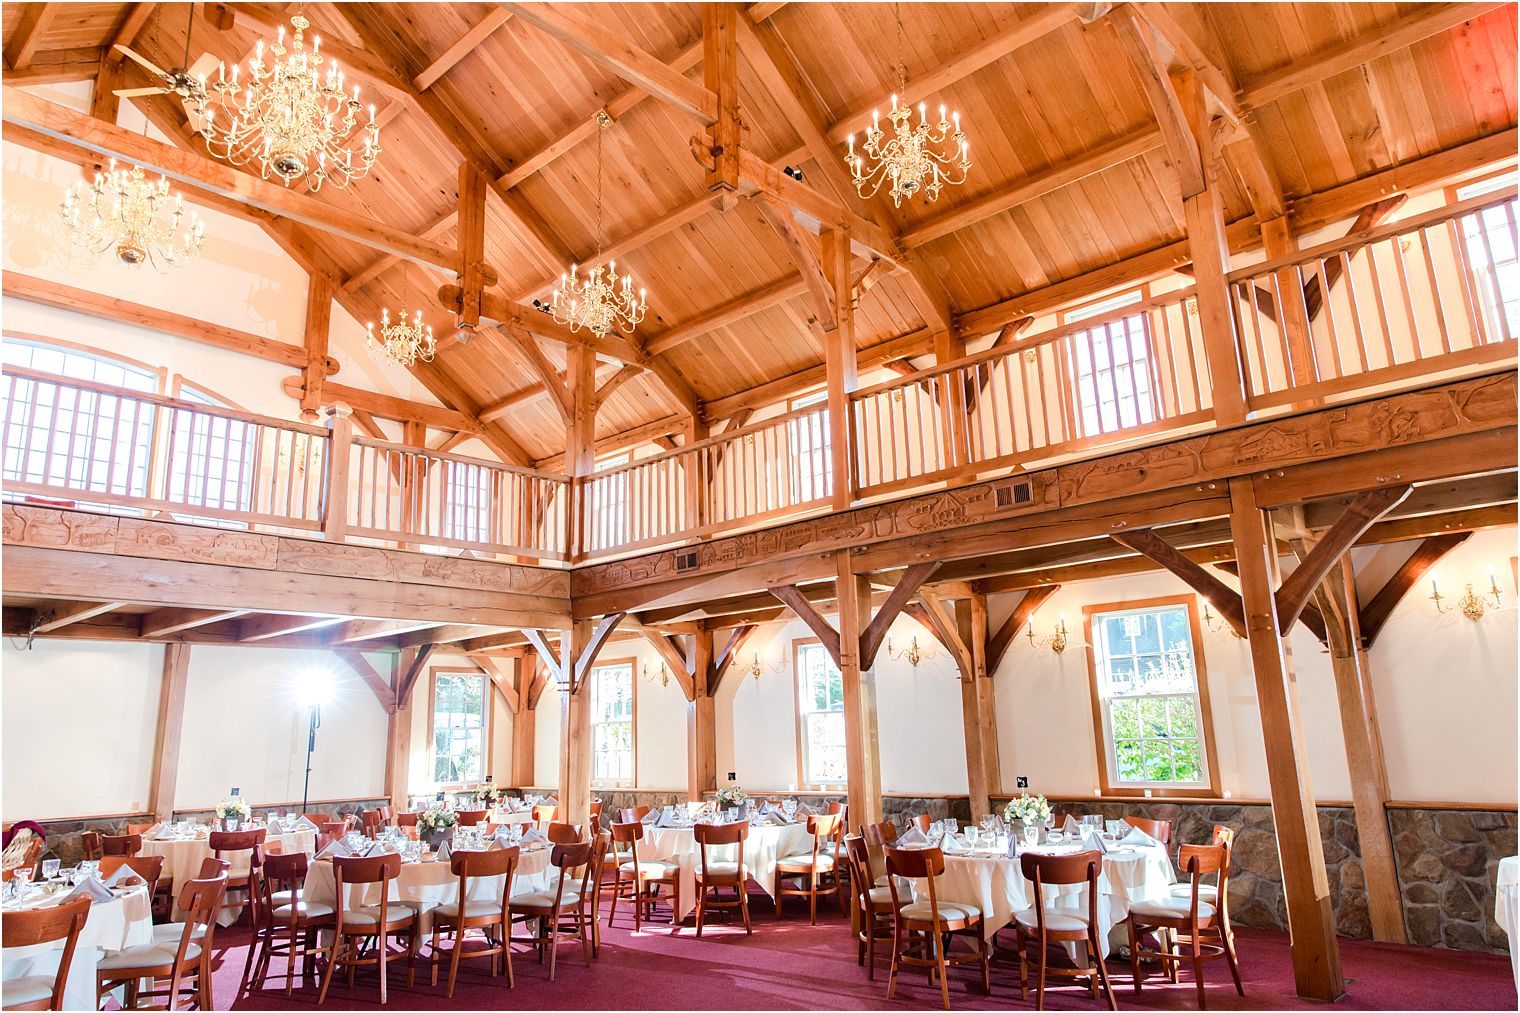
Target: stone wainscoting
1447,860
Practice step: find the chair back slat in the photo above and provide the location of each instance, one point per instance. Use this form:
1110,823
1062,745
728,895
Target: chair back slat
1161,830
565,833
471,817
633,815
120,844
149,867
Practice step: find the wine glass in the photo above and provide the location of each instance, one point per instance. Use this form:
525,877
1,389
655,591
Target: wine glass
972,835
789,808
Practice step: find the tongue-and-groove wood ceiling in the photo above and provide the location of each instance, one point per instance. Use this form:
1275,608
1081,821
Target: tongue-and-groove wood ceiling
1330,92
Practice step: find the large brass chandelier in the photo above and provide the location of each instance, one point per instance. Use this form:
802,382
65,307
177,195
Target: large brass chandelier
403,342
922,158
290,116
601,300
142,220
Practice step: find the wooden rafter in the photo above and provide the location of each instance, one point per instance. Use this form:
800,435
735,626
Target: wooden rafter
461,48
169,621
793,598
59,616
27,34
1225,599
1360,514
902,593
1150,68
549,379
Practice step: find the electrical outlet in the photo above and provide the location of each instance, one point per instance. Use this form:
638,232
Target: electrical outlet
1021,782
732,776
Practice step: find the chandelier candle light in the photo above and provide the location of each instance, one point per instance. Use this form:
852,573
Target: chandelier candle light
403,342
143,220
602,300
915,159
289,116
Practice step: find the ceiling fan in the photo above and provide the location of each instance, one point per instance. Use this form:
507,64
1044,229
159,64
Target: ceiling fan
184,81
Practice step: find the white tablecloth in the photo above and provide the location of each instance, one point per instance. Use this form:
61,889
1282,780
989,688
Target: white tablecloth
425,885
764,847
503,817
1507,908
123,921
183,858
996,884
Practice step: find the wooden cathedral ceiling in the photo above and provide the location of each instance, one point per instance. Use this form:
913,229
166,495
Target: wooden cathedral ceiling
1071,173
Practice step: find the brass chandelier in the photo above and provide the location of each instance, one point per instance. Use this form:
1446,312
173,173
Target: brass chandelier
916,159
142,220
403,342
291,117
602,300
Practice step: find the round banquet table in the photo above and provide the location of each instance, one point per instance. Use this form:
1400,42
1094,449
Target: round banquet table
183,857
1507,908
503,817
765,846
124,920
428,884
994,883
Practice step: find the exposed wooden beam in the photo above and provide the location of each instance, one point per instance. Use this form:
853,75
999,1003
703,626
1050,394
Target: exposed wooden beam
942,621
676,660
387,406
1023,612
729,313
164,775
27,33
1140,45
357,631
793,598
59,616
132,23
760,11
384,692
167,622
802,247
1375,613
1359,515
901,594
461,48
553,384
612,383
730,653
1225,599
268,627
720,77
412,674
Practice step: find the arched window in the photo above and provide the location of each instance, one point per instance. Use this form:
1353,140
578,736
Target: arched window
212,461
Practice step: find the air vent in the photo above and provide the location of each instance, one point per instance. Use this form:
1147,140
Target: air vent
1014,494
686,560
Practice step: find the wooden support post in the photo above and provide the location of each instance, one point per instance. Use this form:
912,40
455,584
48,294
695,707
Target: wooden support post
720,73
171,720
981,750
701,718
695,478
1311,918
398,736
473,187
340,441
319,298
580,438
412,478
840,366
861,746
954,402
1292,307
1364,752
575,731
524,721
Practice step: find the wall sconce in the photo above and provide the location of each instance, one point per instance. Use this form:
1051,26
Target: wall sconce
912,654
1056,641
1470,604
755,668
1215,624
663,677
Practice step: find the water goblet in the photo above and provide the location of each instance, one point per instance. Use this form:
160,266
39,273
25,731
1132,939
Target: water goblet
1031,836
50,867
972,835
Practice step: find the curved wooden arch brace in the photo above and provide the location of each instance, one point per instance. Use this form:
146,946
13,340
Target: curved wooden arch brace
792,597
999,642
1360,514
681,664
725,660
1226,600
908,584
1376,612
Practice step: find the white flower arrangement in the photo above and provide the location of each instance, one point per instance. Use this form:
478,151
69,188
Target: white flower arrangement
1030,810
734,795
233,807
436,818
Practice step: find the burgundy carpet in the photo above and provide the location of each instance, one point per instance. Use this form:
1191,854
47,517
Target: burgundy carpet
791,965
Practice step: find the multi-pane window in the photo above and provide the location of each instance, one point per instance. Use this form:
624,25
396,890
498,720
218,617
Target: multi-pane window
1490,237
1111,367
612,724
471,494
459,727
211,459
820,716
80,439
1146,675
809,458
610,509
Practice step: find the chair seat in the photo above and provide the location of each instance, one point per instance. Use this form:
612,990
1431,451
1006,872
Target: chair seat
1169,909
170,933
721,870
650,870
133,957
305,910
919,911
1205,892
369,916
543,900
881,896
282,897
28,989
804,862
478,908
1056,919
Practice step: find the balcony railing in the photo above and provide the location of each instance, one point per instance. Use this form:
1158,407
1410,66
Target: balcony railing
1435,295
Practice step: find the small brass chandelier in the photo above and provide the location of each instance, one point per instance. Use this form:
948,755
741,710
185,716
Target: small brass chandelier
916,159
142,220
601,300
1471,604
912,654
290,116
1056,642
403,342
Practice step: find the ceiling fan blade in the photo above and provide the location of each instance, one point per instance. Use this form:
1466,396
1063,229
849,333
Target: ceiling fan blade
138,92
204,66
191,115
142,60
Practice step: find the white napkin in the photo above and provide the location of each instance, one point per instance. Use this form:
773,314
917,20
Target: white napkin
777,818
1139,838
303,824
652,817
1071,826
91,888
914,838
337,849
804,810
442,854
122,872
950,845
531,837
151,834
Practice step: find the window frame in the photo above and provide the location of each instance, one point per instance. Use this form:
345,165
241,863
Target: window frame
1490,303
1103,742
805,783
487,757
633,722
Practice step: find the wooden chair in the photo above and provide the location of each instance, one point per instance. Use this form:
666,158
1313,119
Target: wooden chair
491,915
330,831
120,844
1209,891
372,822
596,812
880,835
180,955
140,828
471,817
559,904
1191,919
935,922
601,847
1161,830
635,814
875,903
922,821
642,878
373,922
812,866
714,875
285,923
149,867
43,925
545,813
565,833
320,818
407,819
89,846
1044,923
228,843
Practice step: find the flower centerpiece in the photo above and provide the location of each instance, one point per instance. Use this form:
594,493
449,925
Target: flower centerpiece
436,824
1032,812
731,798
232,811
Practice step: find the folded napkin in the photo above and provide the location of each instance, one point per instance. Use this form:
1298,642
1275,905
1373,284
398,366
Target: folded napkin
442,854
157,832
653,816
914,838
950,845
531,837
122,873
1071,826
89,887
1139,838
1093,841
303,824
337,849
776,818
804,810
